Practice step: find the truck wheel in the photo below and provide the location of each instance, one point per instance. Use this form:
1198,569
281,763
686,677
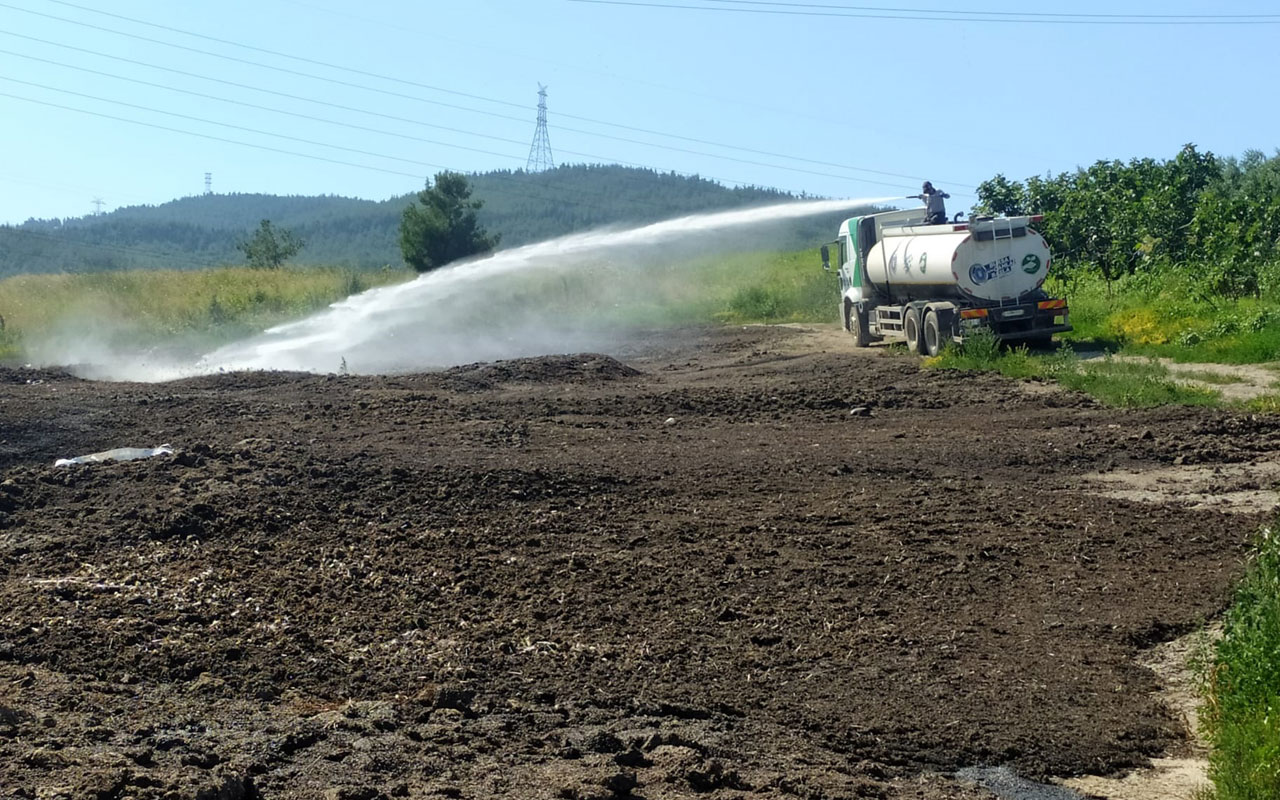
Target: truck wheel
857,325
911,330
933,341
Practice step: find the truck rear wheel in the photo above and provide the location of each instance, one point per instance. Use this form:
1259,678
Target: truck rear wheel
857,325
911,330
933,341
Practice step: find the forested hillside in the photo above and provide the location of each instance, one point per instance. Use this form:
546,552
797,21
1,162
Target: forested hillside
202,231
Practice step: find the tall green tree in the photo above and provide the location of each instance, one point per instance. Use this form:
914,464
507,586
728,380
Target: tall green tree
269,247
1115,218
1001,196
1236,227
441,226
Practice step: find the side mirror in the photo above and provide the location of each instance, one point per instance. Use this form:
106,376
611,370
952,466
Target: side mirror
826,258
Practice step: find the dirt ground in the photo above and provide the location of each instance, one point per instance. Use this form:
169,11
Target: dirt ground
727,563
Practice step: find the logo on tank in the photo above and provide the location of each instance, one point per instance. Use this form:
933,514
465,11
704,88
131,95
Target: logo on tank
981,273
1031,264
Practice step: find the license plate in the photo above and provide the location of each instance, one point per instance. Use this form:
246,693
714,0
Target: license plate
1017,312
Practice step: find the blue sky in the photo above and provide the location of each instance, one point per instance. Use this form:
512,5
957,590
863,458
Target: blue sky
836,100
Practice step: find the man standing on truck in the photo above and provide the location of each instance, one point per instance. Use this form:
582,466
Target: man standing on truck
935,210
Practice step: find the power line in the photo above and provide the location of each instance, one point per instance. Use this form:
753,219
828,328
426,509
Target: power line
265,51
258,64
740,149
64,188
290,138
225,82
685,89
303,116
379,155
259,131
1011,17
590,70
324,120
457,107
1068,15
232,126
217,138
542,198
245,105
672,148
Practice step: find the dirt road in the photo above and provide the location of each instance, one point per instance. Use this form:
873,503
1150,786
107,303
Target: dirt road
687,571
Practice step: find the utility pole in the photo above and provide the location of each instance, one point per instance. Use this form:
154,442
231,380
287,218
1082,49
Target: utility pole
98,203
540,158
208,183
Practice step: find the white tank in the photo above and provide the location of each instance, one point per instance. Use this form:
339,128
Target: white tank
994,261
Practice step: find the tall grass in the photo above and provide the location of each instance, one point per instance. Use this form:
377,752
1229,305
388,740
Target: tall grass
727,287
1242,715
740,287
167,305
214,306
1165,313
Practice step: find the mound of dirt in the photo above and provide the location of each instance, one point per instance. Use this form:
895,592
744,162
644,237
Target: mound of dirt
579,369
34,375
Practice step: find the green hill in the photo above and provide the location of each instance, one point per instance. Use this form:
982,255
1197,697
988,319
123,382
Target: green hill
202,231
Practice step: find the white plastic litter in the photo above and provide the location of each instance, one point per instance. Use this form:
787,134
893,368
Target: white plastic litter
118,454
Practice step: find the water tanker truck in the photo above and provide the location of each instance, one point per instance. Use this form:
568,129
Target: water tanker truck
902,280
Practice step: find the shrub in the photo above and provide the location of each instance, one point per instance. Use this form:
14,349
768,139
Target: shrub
1242,715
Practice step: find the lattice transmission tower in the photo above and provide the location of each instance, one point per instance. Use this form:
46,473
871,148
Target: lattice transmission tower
540,158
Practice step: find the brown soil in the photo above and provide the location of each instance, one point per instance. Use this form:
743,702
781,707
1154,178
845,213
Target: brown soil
1174,778
687,571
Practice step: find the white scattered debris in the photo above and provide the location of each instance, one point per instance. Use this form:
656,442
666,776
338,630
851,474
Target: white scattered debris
118,454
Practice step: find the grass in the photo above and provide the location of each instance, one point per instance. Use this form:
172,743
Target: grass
1209,376
210,306
1165,314
742,287
1156,315
1124,384
1128,384
727,287
1268,403
1242,713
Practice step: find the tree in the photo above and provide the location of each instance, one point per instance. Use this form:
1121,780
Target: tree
1001,196
1236,227
269,247
443,228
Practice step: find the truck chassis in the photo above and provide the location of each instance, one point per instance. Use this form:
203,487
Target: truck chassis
928,326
